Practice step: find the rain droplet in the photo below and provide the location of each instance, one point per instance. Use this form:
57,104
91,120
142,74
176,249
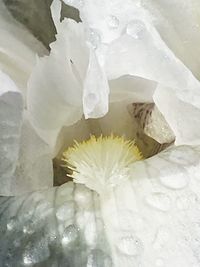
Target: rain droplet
65,211
28,260
184,155
130,245
36,252
70,234
136,29
173,177
11,224
113,22
94,38
159,201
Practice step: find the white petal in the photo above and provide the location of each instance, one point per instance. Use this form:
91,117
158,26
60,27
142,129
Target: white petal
183,118
11,112
148,57
107,17
153,219
132,89
179,25
34,168
61,227
55,88
18,49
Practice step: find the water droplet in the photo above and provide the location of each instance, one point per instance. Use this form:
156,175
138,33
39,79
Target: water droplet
36,252
94,38
70,234
65,211
27,230
184,155
113,22
173,177
130,245
136,28
159,201
28,260
11,224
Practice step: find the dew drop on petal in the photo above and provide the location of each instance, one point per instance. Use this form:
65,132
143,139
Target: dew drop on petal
184,155
174,177
28,259
70,234
136,29
65,211
113,22
94,38
130,245
159,201
36,252
11,224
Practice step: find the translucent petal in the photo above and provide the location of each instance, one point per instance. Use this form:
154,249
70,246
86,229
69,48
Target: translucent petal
17,60
58,227
182,117
55,88
11,112
132,89
164,68
178,23
34,168
152,219
149,40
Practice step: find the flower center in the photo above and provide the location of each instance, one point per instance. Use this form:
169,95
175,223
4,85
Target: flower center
101,162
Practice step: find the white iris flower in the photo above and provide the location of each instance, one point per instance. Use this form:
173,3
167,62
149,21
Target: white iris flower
114,90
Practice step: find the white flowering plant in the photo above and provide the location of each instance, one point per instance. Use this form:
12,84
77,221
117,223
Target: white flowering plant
100,136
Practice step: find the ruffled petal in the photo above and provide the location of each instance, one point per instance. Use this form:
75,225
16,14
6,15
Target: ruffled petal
55,87
58,227
153,219
11,116
34,170
17,60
